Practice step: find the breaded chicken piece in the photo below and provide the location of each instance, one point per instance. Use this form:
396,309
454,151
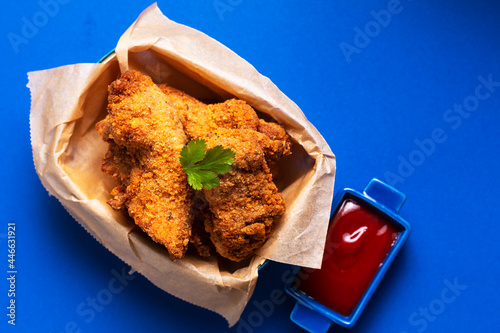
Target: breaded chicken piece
118,163
244,208
200,119
146,137
200,238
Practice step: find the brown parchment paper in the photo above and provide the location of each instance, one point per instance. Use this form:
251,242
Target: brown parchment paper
67,101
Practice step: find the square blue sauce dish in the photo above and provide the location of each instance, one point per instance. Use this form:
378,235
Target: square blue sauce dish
365,234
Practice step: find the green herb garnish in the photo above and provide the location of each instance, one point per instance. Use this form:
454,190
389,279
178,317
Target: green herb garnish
202,166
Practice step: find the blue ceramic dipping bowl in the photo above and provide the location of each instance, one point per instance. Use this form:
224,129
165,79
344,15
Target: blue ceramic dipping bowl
385,201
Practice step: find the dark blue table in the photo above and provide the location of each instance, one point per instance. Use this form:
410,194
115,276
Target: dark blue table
405,91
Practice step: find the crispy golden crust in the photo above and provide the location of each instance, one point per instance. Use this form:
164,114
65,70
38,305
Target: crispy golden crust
201,120
143,158
146,128
200,238
244,208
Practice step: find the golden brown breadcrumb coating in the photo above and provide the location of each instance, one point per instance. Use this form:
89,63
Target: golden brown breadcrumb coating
146,137
200,120
146,128
244,208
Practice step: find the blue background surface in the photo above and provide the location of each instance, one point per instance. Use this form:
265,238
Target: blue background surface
377,107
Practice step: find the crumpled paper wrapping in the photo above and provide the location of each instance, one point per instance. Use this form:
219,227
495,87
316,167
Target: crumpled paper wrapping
66,102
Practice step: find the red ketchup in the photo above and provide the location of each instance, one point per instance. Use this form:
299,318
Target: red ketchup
358,240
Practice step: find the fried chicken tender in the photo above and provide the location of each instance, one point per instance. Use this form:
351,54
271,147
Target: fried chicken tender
145,138
200,119
244,208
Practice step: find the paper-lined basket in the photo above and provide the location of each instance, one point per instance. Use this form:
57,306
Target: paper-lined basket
67,101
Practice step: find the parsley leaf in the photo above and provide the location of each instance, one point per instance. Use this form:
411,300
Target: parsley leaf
193,153
202,166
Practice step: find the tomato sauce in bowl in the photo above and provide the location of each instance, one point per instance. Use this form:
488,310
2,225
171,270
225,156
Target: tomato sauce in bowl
364,236
358,241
